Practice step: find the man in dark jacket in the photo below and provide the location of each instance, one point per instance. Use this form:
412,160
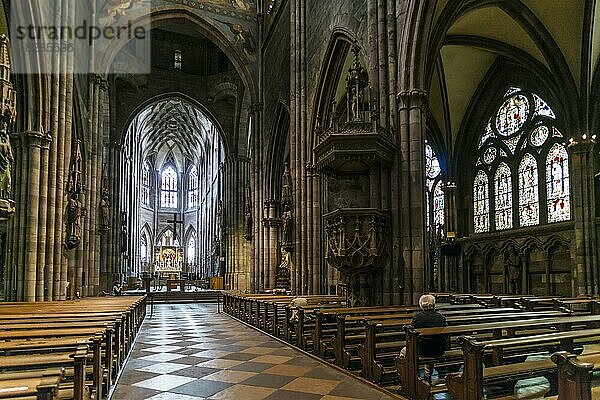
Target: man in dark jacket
429,346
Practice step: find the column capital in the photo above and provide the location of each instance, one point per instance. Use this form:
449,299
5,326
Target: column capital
583,144
413,98
33,139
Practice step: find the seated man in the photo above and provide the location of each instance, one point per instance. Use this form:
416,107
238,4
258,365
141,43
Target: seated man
429,346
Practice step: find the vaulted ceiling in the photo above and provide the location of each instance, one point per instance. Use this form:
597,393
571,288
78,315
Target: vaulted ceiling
558,42
174,126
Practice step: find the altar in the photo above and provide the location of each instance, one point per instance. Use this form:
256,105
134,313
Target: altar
168,261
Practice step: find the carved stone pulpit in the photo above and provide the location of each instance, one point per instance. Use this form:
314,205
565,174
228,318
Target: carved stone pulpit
358,246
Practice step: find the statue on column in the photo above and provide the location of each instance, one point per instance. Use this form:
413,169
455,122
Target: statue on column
74,206
287,216
104,204
248,221
283,272
123,232
7,117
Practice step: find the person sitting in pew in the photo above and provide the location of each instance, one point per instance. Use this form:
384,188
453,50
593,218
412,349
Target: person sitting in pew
429,346
116,290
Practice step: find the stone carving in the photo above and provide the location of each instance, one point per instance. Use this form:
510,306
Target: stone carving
282,274
220,217
124,234
6,161
73,221
357,80
357,245
104,203
248,221
74,189
7,117
287,218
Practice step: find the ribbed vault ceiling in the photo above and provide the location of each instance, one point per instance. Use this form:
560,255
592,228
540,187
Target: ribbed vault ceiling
173,125
549,34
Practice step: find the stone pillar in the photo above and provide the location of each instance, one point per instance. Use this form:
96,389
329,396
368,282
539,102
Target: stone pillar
412,141
585,271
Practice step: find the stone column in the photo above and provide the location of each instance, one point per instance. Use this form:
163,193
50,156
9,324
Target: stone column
414,247
585,273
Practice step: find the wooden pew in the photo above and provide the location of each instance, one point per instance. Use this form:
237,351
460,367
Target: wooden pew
385,338
350,331
37,335
23,386
469,384
417,388
575,375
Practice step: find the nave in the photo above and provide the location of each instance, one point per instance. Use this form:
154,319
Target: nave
191,352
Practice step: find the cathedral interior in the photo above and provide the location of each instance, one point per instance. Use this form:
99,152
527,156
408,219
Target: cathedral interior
379,148
313,168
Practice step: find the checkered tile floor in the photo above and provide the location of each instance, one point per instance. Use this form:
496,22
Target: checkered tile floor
189,352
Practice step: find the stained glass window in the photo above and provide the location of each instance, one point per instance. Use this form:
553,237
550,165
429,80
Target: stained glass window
503,197
529,208
438,204
145,184
557,184
168,193
434,194
481,203
542,108
193,187
539,135
519,131
512,115
432,164
177,59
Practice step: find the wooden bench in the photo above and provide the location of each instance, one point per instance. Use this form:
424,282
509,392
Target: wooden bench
38,336
414,387
575,375
22,386
469,384
385,338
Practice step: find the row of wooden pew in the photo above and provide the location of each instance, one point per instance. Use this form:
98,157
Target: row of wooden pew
490,340
66,350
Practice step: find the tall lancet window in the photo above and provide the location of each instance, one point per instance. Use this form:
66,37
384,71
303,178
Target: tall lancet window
557,184
168,192
503,197
529,207
193,187
518,141
434,194
177,59
146,184
481,203
191,249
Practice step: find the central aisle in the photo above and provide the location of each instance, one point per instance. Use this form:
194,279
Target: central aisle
189,352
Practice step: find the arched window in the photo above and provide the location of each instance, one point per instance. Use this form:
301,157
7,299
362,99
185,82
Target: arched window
168,192
191,249
168,239
557,184
434,195
193,187
143,248
481,203
516,141
529,207
503,197
146,184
